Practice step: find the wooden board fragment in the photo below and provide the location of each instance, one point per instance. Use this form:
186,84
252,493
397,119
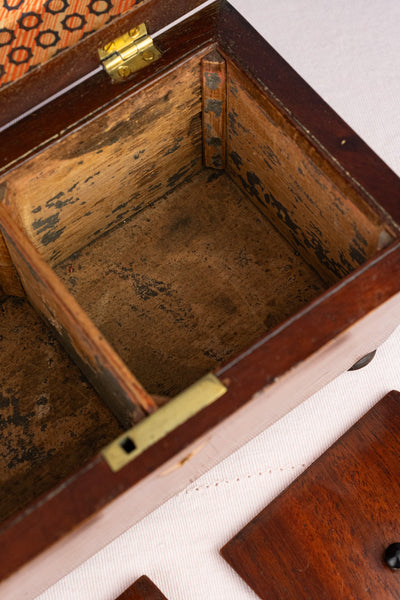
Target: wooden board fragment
142,589
213,73
324,537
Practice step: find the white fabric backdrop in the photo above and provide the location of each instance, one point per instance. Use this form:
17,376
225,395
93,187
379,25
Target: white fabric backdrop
350,54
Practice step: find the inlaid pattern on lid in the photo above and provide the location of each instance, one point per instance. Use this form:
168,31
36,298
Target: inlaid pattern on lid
32,31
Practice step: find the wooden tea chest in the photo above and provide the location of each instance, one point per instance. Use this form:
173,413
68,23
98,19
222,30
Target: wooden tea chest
276,272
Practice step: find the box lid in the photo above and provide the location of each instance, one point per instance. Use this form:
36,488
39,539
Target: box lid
33,31
46,45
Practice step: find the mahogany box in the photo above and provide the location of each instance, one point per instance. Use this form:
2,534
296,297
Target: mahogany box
186,254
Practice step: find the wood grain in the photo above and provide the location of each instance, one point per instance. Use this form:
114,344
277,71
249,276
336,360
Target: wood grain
9,279
122,393
332,233
344,321
194,36
102,174
324,537
51,420
213,72
189,282
142,589
351,164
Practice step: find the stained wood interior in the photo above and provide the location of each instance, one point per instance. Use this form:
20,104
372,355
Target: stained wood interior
51,420
180,267
189,282
110,169
330,225
119,388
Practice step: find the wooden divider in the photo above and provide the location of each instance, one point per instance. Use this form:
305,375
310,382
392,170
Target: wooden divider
9,280
120,390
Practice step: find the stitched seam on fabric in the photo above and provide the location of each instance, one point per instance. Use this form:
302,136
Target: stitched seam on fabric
243,478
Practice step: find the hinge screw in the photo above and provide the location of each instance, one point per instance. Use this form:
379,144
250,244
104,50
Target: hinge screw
134,33
124,71
108,47
148,55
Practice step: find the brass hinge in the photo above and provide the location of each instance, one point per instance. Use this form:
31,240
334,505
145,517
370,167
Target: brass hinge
133,442
129,53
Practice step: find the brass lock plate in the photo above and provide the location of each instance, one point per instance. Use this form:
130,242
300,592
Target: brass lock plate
188,403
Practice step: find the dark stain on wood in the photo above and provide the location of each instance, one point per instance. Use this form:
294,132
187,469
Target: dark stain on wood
51,236
50,427
189,282
181,174
236,159
174,147
214,106
331,232
49,222
214,110
213,80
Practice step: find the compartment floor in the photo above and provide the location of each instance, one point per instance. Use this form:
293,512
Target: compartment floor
51,420
189,282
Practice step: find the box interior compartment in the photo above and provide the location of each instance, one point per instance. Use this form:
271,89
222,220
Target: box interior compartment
192,280
51,420
186,221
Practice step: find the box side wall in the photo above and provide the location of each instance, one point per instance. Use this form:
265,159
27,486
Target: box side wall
93,179
264,158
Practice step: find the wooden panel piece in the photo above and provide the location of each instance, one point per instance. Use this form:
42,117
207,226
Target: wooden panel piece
142,589
214,110
324,537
